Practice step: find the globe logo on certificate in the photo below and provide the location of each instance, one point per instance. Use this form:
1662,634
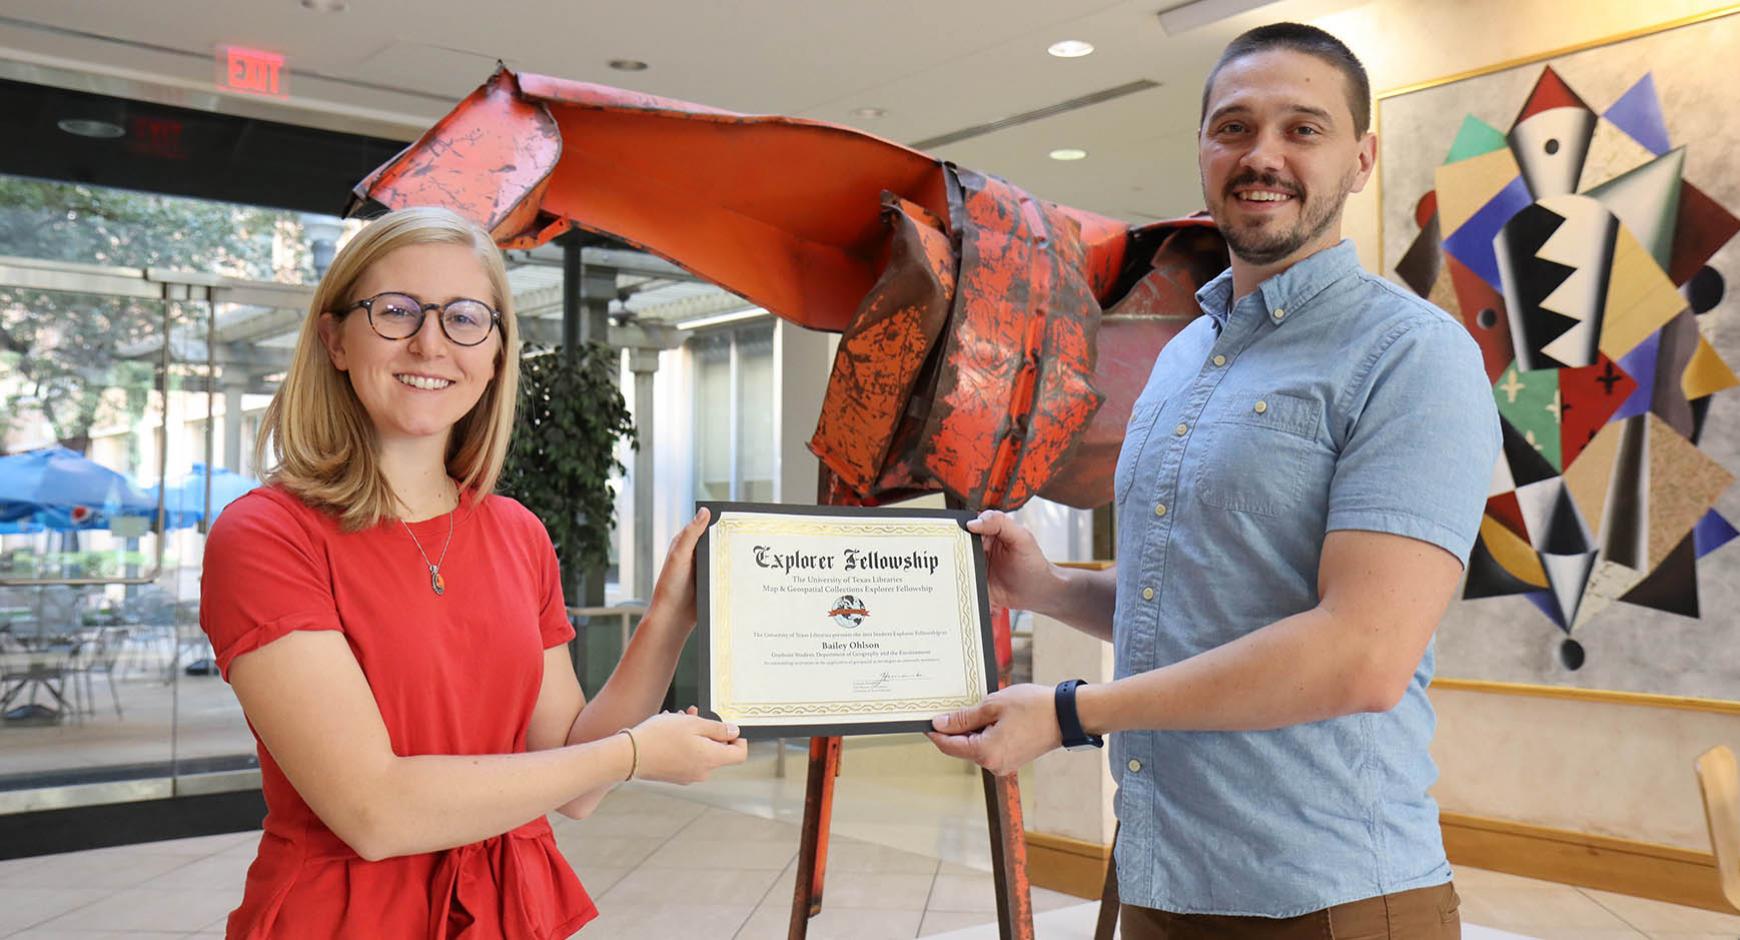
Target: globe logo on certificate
849,611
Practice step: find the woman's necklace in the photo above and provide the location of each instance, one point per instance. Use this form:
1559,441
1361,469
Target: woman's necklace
436,582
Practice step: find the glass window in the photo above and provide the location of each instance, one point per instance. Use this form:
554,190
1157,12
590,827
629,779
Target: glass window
713,411
55,221
735,439
139,403
757,442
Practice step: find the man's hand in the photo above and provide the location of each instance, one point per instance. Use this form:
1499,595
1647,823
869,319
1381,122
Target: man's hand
1003,733
1019,576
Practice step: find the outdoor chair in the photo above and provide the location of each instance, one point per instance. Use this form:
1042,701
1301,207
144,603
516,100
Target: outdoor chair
97,653
24,669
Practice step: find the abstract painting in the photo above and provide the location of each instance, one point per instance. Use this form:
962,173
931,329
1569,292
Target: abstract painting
1585,253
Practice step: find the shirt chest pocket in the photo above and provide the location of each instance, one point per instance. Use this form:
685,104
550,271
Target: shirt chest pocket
1265,458
1130,455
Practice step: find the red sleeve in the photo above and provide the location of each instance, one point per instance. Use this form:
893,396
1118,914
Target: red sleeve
552,613
264,577
553,623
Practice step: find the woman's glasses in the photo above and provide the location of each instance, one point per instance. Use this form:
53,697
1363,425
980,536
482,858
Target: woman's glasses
399,316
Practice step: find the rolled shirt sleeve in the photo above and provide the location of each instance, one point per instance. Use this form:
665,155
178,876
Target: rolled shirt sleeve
264,576
1418,456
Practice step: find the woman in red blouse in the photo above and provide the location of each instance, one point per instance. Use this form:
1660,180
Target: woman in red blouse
396,633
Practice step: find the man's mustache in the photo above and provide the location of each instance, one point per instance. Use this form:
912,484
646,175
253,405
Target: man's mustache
1268,180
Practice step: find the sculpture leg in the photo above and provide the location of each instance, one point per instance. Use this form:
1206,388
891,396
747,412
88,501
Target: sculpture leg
806,899
1008,857
1003,809
1108,919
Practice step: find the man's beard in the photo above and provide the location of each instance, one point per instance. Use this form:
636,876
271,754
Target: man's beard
1260,244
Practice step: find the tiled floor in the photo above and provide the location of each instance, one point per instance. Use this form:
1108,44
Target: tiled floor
907,860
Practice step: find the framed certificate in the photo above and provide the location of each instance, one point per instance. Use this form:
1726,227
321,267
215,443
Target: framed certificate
824,620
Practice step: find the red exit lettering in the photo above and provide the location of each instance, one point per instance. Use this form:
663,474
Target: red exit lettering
156,137
253,71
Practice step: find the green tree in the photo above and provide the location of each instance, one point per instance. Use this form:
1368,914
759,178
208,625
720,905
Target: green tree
64,350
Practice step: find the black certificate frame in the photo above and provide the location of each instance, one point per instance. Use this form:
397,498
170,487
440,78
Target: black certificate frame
825,729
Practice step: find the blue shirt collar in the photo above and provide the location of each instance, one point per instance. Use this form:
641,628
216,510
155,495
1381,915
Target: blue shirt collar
1289,291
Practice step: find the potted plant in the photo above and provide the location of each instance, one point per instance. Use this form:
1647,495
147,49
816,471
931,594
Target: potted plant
563,453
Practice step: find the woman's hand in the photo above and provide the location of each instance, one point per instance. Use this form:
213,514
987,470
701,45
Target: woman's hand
685,748
673,597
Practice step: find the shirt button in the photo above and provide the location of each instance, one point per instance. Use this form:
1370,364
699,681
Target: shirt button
1261,406
1134,765
1160,509
1181,430
1147,594
1220,360
1280,314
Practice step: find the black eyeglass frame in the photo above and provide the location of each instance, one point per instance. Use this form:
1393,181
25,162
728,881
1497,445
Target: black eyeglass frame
368,306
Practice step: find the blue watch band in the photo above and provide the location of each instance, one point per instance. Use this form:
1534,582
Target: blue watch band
1068,722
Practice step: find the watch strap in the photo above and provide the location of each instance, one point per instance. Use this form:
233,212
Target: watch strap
1068,722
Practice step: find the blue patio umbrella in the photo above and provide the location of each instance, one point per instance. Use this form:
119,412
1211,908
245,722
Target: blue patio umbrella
14,512
185,502
178,511
80,518
61,489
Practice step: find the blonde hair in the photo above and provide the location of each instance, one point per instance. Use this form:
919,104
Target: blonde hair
322,441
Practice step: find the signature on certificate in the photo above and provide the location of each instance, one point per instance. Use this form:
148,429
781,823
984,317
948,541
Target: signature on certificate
883,680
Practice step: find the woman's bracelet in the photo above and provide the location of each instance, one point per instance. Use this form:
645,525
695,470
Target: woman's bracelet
634,752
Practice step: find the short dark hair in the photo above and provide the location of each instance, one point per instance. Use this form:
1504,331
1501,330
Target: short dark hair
1297,37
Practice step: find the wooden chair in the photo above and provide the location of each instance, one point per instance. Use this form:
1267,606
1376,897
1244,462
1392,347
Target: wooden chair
1719,779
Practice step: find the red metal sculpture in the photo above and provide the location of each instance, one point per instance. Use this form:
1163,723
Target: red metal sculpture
993,342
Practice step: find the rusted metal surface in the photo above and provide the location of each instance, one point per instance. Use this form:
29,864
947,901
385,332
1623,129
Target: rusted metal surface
839,230
1008,837
812,867
1013,392
884,348
1008,857
1185,255
467,163
1003,642
784,211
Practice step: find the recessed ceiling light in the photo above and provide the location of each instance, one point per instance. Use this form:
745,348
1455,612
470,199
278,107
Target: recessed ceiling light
88,127
326,6
1070,49
869,112
1069,153
628,65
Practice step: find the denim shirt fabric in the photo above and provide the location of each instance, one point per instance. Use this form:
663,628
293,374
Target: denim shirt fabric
1326,399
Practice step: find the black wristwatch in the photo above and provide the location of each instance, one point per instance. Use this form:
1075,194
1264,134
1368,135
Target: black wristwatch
1069,723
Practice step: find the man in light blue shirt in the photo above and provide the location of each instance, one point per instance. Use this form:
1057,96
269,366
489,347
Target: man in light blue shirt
1300,485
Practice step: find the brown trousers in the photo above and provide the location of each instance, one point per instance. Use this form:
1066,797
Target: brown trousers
1421,914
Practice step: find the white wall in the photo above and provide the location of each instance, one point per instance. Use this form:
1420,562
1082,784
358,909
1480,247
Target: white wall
1604,768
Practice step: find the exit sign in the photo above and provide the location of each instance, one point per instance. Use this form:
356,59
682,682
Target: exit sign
253,71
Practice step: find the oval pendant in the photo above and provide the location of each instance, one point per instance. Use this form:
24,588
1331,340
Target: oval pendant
436,582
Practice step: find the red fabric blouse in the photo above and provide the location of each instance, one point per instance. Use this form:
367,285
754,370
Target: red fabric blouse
452,674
